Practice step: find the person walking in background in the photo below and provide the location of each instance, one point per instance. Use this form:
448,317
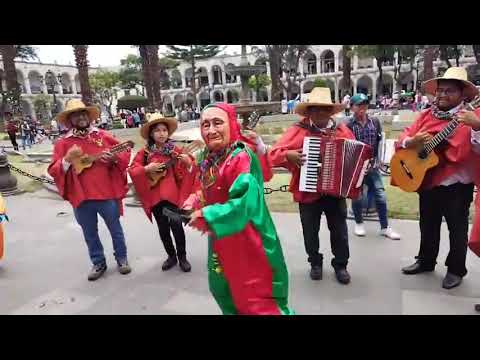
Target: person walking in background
12,129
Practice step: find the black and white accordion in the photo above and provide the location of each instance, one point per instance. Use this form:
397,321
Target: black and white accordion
334,166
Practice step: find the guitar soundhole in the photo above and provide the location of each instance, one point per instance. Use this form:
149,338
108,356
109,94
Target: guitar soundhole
423,154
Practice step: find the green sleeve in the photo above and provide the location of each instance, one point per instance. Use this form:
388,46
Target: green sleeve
245,203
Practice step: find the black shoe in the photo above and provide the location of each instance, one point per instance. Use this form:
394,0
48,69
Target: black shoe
417,268
477,307
123,267
342,275
184,264
316,272
97,271
169,263
451,280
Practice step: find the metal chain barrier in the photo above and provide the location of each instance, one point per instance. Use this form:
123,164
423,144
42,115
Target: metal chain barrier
36,178
268,191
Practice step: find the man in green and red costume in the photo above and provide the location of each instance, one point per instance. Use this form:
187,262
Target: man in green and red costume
246,269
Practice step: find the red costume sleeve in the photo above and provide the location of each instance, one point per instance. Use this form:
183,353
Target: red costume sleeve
291,140
140,179
55,169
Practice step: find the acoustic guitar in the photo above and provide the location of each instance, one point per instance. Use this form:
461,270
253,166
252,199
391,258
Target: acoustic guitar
409,166
86,161
154,178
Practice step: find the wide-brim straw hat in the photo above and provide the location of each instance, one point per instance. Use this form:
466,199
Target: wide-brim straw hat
453,73
75,105
318,97
157,118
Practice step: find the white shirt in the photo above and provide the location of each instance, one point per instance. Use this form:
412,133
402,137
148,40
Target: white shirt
466,173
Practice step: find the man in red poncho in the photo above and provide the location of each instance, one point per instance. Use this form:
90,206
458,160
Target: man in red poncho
317,115
447,190
96,190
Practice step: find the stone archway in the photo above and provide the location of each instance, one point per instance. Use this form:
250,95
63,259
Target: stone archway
36,85
178,101
387,85
21,81
218,96
327,61
67,84
232,96
167,105
176,79
217,75
230,79
310,63
365,85
204,99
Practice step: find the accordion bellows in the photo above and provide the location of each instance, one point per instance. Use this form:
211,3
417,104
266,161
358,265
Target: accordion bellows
334,166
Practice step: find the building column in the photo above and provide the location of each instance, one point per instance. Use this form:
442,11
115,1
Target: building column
26,84
337,92
210,77
335,65
319,63
374,63
44,87
354,81
301,65
355,62
374,89
74,87
60,88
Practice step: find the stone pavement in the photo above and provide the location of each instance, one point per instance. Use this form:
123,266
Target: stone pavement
45,267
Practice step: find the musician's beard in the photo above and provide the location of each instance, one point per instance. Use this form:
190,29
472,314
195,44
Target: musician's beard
82,125
321,123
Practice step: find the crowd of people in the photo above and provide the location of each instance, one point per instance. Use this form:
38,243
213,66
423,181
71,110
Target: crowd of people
29,131
220,191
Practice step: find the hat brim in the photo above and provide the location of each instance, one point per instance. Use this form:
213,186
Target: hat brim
470,91
171,124
93,114
301,108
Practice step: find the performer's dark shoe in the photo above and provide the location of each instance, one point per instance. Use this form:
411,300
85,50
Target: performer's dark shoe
169,263
451,280
417,268
97,271
342,275
316,272
184,264
123,267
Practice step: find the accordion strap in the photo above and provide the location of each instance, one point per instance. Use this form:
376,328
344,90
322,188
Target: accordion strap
330,131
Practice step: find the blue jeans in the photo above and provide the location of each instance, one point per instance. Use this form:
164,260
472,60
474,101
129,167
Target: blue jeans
26,141
86,215
374,182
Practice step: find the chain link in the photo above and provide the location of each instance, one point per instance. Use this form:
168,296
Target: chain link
36,178
268,191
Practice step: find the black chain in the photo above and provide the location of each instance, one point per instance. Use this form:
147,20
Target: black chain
268,191
36,178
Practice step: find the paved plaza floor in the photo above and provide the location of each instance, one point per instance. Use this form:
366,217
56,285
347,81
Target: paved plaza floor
46,264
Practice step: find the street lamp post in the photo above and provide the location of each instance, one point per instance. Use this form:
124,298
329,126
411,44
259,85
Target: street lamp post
50,82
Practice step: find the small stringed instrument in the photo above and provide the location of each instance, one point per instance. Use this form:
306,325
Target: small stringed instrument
253,120
86,161
409,166
155,177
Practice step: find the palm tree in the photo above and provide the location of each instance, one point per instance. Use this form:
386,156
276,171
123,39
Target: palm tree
347,67
81,60
147,76
428,58
151,75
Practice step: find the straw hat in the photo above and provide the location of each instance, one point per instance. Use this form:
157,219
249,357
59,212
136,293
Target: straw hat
75,105
321,97
157,118
453,73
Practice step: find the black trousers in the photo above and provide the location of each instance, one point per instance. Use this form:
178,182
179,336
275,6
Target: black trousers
164,227
13,139
335,210
453,203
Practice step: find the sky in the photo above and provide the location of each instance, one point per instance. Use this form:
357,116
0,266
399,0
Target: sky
98,55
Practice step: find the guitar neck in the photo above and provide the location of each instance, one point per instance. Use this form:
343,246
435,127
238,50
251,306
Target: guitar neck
114,150
442,135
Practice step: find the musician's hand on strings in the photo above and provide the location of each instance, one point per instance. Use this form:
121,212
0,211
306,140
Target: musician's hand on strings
108,158
296,157
469,118
185,159
418,140
72,153
153,167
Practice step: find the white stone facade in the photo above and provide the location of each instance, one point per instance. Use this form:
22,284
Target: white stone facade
31,77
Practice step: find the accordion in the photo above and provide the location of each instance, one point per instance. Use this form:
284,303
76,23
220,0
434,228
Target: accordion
334,166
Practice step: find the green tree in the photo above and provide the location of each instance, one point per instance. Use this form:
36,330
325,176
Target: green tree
42,104
130,73
191,54
319,82
104,85
257,82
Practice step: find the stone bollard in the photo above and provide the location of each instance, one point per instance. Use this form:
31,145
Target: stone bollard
8,182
